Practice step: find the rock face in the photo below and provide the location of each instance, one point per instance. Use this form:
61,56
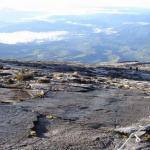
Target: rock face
73,106
15,125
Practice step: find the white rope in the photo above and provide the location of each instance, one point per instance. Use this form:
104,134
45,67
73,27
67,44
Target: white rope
137,139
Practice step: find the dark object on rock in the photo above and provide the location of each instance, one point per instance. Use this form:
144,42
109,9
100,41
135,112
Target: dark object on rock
94,125
97,139
43,80
1,67
10,81
137,69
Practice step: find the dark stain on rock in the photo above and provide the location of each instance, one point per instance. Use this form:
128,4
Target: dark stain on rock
40,126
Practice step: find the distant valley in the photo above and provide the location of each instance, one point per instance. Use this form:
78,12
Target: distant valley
111,35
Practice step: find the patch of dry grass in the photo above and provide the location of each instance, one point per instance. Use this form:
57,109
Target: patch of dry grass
23,76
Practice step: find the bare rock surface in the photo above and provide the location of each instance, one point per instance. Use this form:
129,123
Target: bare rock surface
15,125
69,106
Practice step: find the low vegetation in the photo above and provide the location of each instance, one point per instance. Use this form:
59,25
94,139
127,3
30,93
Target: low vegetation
24,75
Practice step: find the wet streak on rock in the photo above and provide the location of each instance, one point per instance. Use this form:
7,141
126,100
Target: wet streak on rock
40,126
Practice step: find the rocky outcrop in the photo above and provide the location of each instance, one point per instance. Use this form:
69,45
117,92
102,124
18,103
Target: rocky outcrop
49,105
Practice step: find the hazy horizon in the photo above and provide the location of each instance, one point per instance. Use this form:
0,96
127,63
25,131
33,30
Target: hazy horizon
71,30
70,6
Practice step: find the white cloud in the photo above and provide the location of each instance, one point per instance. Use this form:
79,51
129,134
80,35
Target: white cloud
107,31
137,23
144,23
26,36
38,18
79,24
110,31
97,30
117,11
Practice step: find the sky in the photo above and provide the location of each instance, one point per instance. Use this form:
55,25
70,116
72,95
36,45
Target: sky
69,6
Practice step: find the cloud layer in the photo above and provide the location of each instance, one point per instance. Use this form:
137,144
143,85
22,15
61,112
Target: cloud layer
27,36
137,23
107,31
